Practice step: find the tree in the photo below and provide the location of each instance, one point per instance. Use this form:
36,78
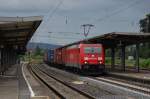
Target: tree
38,51
145,24
145,28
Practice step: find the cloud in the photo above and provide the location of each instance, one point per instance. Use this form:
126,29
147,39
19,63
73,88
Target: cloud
39,5
78,13
26,5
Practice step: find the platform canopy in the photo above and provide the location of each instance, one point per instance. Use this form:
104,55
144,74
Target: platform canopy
121,38
117,39
17,31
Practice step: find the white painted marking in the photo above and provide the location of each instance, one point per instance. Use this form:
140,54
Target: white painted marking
78,82
126,84
145,77
30,88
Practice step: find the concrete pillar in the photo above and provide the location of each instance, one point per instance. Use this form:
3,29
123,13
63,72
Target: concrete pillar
15,57
11,57
2,61
123,58
137,58
112,58
6,59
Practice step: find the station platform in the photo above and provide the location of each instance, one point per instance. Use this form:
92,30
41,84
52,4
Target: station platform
136,76
9,84
15,83
12,84
8,88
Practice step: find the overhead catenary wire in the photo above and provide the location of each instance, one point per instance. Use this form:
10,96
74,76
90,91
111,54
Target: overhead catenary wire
117,11
56,37
65,38
50,13
76,33
47,18
113,13
54,11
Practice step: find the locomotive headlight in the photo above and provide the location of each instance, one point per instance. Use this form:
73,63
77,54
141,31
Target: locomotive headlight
86,58
99,58
100,62
85,62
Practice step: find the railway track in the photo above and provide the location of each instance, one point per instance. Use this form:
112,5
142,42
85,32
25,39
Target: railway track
139,86
61,89
90,89
136,86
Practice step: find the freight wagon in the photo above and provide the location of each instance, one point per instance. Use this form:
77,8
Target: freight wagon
49,56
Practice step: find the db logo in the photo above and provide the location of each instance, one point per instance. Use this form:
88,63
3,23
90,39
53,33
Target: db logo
93,55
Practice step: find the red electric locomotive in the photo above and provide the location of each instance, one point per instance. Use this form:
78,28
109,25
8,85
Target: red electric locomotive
81,56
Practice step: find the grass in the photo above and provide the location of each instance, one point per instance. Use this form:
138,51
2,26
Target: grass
145,63
33,58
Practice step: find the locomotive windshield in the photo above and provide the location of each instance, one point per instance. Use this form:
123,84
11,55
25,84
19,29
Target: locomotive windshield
92,50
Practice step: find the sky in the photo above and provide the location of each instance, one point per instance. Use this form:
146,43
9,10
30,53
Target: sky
63,18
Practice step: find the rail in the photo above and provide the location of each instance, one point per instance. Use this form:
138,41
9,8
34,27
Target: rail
38,72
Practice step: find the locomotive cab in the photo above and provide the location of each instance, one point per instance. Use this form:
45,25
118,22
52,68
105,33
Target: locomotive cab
92,56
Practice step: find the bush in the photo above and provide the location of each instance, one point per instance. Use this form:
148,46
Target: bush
108,61
145,63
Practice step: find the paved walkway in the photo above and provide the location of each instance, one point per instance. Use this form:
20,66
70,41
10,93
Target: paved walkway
9,84
8,88
13,85
140,75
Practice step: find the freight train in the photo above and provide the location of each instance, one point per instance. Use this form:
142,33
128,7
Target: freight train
49,56
83,57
